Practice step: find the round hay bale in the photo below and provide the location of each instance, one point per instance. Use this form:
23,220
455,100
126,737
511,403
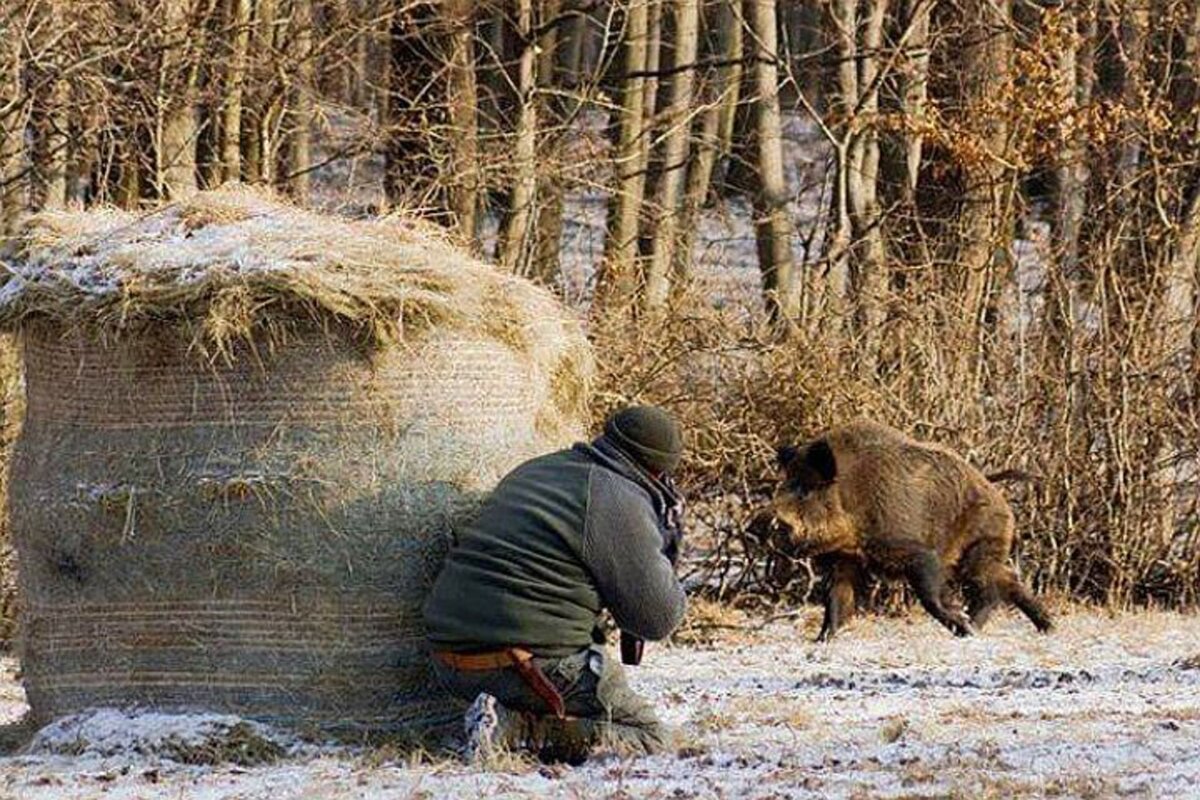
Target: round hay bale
249,433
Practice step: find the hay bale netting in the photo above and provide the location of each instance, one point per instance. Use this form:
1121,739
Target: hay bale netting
249,432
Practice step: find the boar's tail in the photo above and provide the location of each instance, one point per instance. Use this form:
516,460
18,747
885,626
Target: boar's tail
1014,475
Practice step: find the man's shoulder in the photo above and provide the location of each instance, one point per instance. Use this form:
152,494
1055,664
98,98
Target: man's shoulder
557,459
561,468
611,485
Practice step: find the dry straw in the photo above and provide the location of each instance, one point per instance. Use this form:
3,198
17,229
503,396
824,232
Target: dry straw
254,533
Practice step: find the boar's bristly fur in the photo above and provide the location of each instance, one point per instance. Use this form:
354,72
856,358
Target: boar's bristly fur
866,499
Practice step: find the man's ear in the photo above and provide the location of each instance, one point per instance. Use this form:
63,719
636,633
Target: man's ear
785,455
819,457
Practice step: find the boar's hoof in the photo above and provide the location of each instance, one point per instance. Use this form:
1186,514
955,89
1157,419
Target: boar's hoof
961,626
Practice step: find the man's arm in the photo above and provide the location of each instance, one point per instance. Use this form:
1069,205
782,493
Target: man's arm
623,549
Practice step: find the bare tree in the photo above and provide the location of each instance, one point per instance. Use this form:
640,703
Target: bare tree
773,229
517,238
300,107
51,107
675,152
617,282
714,134
985,220
175,102
464,126
237,17
14,115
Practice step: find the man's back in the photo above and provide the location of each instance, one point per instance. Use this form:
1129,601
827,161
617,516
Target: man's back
516,574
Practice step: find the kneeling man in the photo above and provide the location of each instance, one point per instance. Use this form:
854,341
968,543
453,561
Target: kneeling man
513,617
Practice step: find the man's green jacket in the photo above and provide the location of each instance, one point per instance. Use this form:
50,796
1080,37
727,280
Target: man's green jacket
561,538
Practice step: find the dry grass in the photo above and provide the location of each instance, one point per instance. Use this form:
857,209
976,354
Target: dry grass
708,622
241,744
893,729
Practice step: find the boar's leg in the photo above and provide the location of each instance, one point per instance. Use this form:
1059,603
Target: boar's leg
988,581
928,580
982,598
1018,594
842,577
979,571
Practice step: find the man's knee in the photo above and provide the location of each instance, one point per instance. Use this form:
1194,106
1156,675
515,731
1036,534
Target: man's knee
631,723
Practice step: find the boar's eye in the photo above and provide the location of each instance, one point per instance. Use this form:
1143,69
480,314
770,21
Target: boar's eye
785,455
798,486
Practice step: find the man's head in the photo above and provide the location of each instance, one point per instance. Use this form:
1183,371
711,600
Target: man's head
649,435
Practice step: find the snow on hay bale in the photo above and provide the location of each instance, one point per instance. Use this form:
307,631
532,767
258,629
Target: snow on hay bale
249,432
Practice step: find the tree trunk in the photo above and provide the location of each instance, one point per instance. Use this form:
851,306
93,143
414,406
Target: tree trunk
915,94
517,237
1076,79
51,108
300,113
554,135
617,282
260,142
14,112
832,296
237,15
176,105
869,279
1134,29
675,153
1179,297
772,227
653,63
715,134
464,128
985,216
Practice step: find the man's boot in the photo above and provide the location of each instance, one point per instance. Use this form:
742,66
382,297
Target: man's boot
491,729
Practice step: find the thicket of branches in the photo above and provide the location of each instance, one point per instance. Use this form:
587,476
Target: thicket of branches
1000,250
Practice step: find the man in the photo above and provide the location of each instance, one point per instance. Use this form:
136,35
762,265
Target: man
513,618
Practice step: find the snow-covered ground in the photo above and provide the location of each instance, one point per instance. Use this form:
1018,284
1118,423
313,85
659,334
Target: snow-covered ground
1108,706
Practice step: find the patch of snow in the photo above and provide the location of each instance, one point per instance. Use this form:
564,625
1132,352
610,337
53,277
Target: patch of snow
112,732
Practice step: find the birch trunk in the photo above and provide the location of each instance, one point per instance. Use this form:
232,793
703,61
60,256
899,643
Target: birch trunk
617,282
675,154
13,117
1134,29
52,110
771,225
176,106
834,292
713,138
553,134
868,274
1178,301
517,236
915,94
237,13
1076,78
984,219
463,98
300,112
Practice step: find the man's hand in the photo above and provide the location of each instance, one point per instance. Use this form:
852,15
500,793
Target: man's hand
673,524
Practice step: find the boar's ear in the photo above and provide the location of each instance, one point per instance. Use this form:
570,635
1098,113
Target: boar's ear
820,459
785,455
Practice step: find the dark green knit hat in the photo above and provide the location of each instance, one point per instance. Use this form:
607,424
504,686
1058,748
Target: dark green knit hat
648,434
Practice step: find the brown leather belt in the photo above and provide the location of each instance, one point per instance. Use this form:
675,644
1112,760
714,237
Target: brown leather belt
519,659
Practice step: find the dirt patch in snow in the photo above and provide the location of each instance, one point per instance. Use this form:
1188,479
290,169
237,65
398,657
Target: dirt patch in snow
1108,706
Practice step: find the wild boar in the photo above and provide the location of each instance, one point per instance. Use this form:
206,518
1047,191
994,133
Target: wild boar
866,499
